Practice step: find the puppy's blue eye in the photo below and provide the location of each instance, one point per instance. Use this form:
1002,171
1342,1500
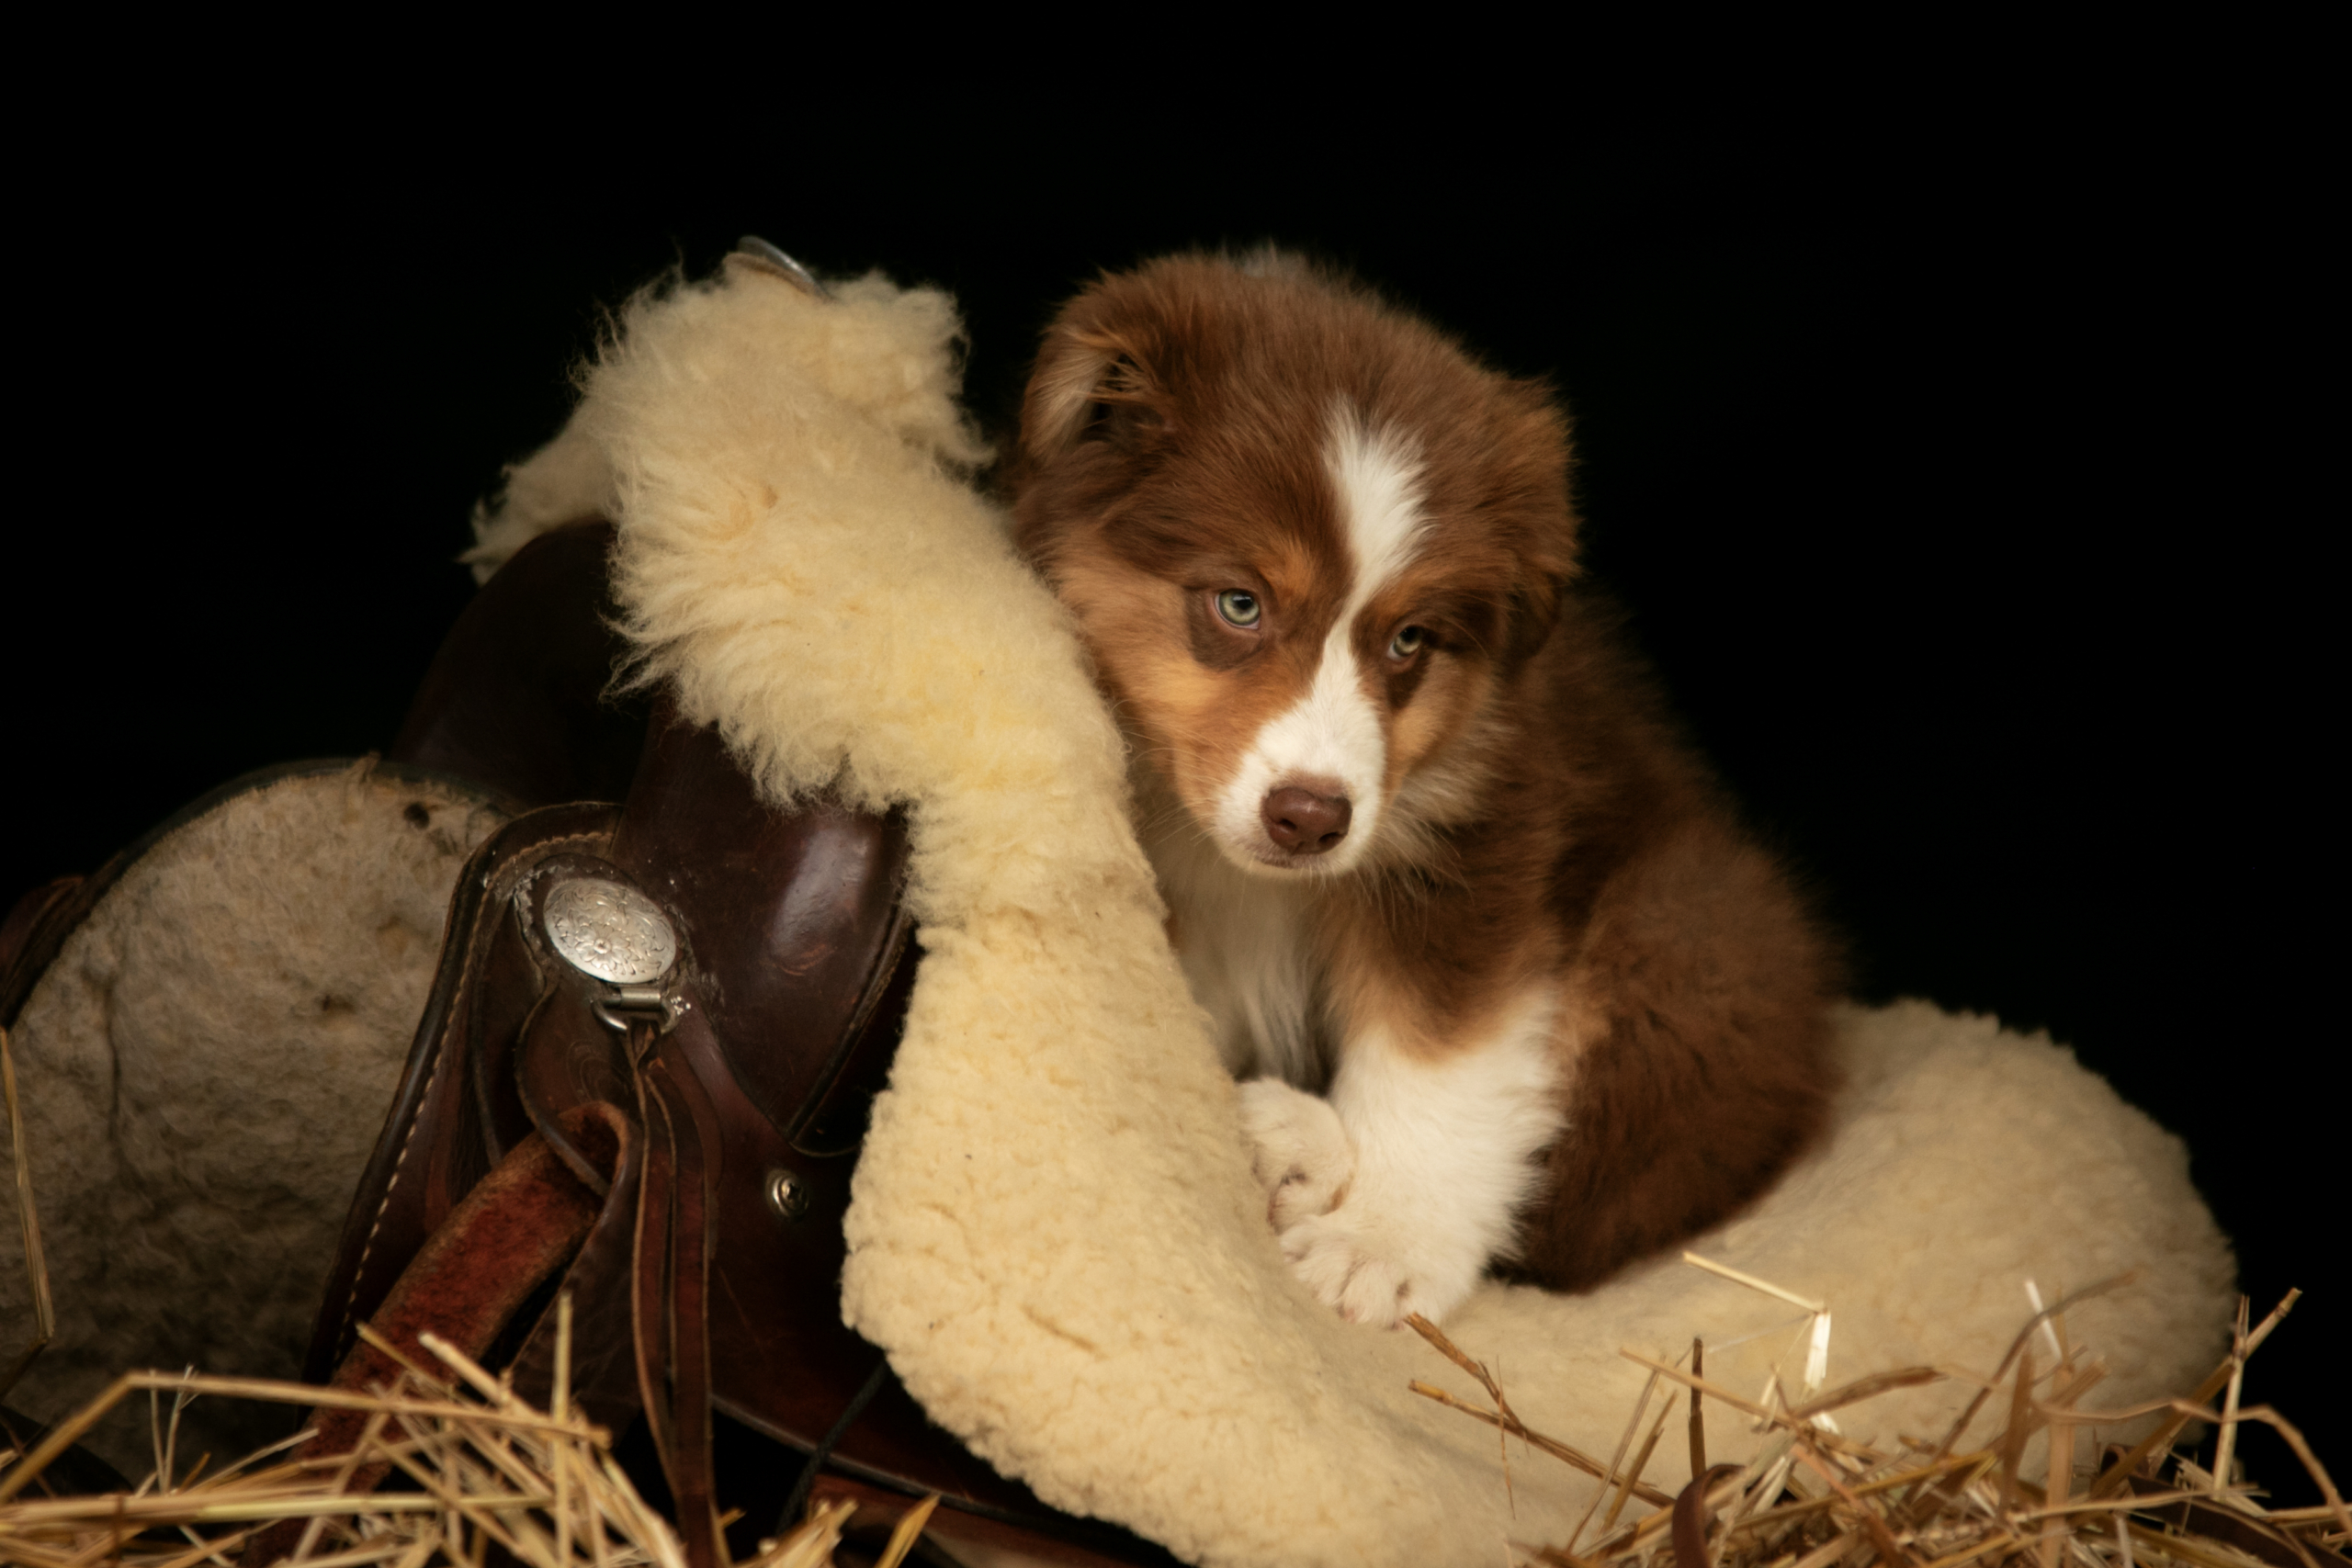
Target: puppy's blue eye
1239,607
1406,642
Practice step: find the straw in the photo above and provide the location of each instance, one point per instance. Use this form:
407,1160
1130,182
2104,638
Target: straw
1812,1497
490,1470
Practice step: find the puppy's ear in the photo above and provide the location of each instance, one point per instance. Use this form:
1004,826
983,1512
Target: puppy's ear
1539,486
1536,601
1091,386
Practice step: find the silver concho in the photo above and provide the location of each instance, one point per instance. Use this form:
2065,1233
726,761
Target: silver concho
613,933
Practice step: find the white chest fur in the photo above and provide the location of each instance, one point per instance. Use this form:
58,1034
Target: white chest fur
1249,955
1391,1195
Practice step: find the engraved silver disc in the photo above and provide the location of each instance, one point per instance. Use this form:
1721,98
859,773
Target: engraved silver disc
613,933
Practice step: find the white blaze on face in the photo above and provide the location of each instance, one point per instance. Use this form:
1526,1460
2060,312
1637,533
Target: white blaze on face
1332,735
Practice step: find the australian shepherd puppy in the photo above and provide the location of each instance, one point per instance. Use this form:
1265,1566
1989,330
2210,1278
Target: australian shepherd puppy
1505,977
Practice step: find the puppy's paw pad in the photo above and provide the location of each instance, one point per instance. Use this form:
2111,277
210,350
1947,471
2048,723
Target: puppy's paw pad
1298,1151
1348,1273
1366,1274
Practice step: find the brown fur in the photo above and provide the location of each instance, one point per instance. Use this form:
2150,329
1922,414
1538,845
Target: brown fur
1552,823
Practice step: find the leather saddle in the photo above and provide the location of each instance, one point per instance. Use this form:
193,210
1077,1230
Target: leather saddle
641,1079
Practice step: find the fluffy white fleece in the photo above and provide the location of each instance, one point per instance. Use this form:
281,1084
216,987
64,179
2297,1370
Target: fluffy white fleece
1054,1232
203,1068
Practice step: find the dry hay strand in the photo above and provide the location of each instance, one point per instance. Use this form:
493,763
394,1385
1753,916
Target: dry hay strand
1812,1497
488,1470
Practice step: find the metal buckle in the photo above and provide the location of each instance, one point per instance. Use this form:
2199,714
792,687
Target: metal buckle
620,1006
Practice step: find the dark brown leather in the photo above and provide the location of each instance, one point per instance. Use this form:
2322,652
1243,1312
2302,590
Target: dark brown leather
515,1231
794,915
75,1472
29,913
451,1109
691,1292
2264,1544
604,1342
516,698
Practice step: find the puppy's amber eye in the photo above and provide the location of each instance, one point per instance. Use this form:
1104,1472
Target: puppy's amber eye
1406,642
1239,607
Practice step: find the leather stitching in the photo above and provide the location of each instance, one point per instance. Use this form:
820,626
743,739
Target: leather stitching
547,848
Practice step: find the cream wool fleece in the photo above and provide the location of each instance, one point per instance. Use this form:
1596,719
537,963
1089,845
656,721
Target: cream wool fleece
1054,1234
203,1068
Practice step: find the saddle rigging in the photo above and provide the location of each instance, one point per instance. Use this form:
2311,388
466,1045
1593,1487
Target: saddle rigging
641,1077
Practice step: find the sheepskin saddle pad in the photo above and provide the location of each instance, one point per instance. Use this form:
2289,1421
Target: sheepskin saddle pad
1054,1232
203,1061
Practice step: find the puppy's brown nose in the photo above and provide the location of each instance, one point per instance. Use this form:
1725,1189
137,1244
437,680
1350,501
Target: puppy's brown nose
1303,823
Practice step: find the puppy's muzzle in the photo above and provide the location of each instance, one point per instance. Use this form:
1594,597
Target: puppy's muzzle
1302,822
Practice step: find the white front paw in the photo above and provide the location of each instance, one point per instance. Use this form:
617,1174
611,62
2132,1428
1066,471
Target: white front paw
1298,1151
1368,1278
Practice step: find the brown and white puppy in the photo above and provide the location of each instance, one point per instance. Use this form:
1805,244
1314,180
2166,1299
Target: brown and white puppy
1431,847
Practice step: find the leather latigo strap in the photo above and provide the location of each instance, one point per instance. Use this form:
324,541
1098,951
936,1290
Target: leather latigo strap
515,1230
681,1122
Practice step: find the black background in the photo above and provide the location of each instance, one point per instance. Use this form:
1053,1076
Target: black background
1957,488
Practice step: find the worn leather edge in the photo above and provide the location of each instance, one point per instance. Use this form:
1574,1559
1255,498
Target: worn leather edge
466,903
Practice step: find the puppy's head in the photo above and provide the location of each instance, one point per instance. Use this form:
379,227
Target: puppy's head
1309,544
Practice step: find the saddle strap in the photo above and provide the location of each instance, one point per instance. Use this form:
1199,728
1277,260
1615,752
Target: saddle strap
603,1367
512,1234
671,1307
